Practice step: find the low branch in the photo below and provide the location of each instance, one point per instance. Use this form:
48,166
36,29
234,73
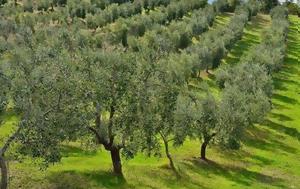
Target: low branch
212,135
162,135
99,138
171,139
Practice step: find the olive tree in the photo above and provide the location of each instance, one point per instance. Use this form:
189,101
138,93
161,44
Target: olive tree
39,88
206,126
168,83
68,93
267,5
244,101
107,82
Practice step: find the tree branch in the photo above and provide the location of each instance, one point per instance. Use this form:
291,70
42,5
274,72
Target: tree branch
171,139
99,138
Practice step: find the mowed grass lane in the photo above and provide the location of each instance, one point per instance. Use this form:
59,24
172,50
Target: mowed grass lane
252,36
278,139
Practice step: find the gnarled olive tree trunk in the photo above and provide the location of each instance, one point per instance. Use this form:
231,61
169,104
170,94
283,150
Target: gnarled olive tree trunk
206,141
109,142
116,160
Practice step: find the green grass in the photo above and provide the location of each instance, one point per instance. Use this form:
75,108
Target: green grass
252,36
7,127
269,157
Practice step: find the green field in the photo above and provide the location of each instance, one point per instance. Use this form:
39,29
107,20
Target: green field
269,157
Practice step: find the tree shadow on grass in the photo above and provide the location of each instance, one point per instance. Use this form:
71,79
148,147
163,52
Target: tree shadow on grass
84,180
74,151
259,138
285,99
290,67
281,117
107,180
244,157
279,106
278,85
167,176
262,160
293,132
241,48
283,78
236,174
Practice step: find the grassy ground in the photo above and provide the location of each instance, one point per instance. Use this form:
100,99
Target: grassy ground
252,34
7,127
268,159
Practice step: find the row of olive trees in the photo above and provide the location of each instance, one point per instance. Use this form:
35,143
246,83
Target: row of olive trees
245,99
80,9
270,53
92,6
226,5
250,81
161,15
215,44
175,10
112,11
181,110
177,34
61,92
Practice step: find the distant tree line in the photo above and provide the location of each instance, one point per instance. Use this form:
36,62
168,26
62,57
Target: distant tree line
126,31
293,8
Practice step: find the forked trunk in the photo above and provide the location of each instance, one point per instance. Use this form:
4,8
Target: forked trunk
4,173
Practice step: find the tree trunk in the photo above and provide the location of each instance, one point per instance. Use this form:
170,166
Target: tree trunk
203,149
116,160
207,139
4,173
52,7
206,70
171,162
